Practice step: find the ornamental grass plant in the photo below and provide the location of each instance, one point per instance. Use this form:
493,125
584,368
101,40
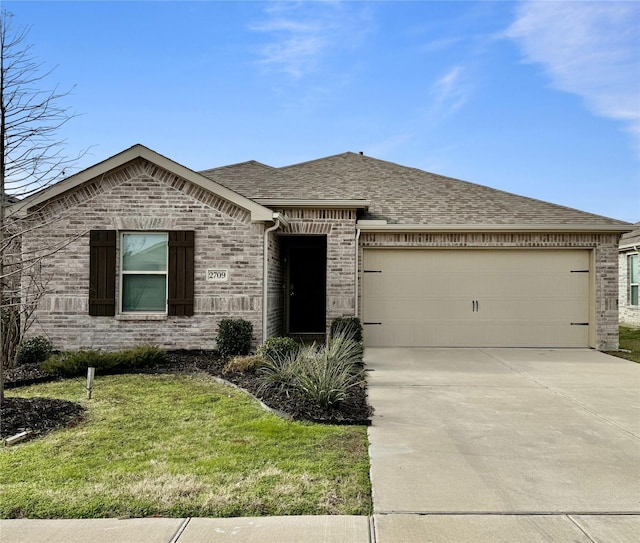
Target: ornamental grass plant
321,374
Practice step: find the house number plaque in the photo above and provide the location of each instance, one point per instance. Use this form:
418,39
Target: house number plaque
218,275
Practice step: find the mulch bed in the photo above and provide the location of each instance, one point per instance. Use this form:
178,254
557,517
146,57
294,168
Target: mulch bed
39,415
43,415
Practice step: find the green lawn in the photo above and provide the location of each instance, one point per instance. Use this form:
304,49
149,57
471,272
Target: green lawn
181,446
630,341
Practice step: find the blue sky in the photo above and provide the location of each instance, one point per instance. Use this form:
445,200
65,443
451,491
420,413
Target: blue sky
537,98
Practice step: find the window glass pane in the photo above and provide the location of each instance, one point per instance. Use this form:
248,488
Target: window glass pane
144,252
633,291
633,268
144,292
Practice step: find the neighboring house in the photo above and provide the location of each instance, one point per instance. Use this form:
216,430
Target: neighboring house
152,252
629,270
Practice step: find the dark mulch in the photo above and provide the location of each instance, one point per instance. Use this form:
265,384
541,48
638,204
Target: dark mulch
40,415
43,415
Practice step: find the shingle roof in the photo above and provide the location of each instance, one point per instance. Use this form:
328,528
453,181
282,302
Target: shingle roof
631,238
398,194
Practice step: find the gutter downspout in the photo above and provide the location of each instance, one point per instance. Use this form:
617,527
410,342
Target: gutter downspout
265,271
355,312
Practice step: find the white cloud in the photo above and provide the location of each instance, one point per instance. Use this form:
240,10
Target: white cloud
302,34
449,93
590,49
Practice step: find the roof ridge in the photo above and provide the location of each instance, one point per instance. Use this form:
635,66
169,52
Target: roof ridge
236,164
346,153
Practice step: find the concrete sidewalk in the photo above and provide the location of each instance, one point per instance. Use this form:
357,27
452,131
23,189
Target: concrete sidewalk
319,529
394,528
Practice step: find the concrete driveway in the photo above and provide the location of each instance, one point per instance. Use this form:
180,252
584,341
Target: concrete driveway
504,445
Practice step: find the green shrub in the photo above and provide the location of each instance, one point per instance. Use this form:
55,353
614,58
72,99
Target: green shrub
74,363
244,364
324,381
141,356
342,349
34,350
347,326
234,337
278,347
321,375
279,372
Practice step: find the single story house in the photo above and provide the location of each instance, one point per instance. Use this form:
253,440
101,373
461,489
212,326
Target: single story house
149,251
629,272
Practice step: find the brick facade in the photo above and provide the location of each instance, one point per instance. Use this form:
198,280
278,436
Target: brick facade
275,293
629,315
142,196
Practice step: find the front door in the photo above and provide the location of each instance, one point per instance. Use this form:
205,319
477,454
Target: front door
307,262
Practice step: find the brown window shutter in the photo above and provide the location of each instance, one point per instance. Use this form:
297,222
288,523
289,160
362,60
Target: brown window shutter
102,273
181,266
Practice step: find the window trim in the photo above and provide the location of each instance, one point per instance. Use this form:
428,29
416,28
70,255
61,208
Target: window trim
122,272
104,278
632,259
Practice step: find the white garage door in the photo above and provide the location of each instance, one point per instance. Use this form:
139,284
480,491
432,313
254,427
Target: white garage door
476,298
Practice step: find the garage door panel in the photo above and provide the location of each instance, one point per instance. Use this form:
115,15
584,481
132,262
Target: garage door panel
498,297
540,310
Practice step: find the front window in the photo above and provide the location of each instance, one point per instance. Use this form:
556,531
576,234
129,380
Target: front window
143,272
632,267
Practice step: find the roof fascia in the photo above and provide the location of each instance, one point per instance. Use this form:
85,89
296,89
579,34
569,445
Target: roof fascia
258,212
316,204
629,246
568,228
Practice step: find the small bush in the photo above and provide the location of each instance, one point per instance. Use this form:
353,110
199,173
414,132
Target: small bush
347,326
244,364
280,372
234,337
279,347
142,356
34,350
321,375
74,363
325,382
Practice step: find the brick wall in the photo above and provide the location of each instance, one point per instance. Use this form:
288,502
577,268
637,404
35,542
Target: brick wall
339,227
275,294
604,247
142,196
629,315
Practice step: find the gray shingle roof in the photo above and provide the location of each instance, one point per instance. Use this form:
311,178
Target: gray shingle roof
398,194
631,238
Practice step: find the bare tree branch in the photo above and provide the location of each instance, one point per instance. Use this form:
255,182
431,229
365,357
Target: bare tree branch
31,158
